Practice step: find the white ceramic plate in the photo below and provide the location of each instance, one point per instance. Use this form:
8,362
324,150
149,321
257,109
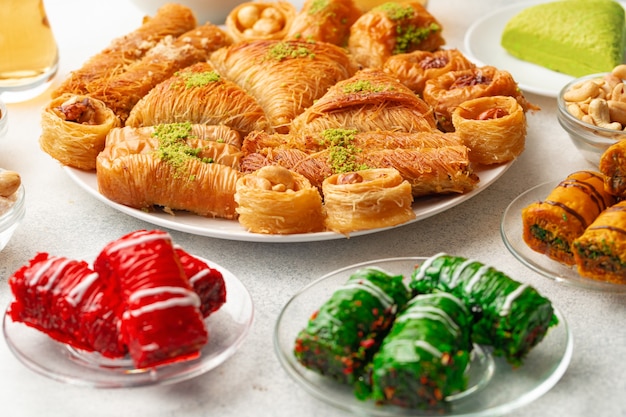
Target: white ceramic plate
512,229
495,388
232,230
227,329
482,44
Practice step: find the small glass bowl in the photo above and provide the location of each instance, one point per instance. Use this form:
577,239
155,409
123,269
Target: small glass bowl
10,220
592,141
4,119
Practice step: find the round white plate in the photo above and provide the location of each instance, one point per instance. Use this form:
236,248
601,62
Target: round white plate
231,229
482,44
512,234
494,389
227,329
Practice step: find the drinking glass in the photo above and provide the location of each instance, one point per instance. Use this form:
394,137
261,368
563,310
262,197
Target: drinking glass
29,56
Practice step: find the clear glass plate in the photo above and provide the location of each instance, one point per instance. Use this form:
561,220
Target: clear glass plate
511,230
231,229
227,329
495,388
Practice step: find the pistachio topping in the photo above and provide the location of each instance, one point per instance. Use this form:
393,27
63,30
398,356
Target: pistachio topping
198,79
342,154
363,86
318,6
284,50
396,11
173,147
411,35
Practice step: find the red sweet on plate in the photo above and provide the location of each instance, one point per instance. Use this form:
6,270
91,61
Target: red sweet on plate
206,281
70,302
161,322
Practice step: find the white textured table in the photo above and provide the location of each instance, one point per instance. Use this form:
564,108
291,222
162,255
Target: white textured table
61,218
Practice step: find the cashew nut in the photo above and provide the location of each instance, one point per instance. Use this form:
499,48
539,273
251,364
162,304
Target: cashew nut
599,112
277,175
620,71
617,111
582,91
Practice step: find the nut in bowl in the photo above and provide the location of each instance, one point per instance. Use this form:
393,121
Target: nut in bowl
592,110
12,207
213,11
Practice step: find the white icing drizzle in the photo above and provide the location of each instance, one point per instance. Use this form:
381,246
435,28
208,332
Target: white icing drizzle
425,265
41,271
190,299
424,345
150,347
416,344
52,279
510,298
146,292
77,293
199,275
439,294
458,271
376,291
476,277
430,313
138,240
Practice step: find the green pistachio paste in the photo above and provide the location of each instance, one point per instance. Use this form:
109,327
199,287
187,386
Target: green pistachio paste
364,86
342,154
196,79
407,35
173,148
284,50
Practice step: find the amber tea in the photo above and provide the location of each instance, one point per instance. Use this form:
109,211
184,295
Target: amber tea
28,50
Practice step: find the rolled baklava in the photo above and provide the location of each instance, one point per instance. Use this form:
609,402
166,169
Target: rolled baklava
550,226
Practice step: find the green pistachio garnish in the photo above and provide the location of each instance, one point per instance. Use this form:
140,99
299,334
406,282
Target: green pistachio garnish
361,86
410,35
342,154
284,50
173,148
396,11
196,79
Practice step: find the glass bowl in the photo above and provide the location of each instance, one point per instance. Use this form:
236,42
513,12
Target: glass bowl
591,140
11,218
4,119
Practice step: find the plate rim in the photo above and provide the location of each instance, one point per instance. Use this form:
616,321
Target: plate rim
424,208
133,381
505,233
501,409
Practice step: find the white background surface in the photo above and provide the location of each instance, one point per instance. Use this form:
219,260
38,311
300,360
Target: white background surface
63,219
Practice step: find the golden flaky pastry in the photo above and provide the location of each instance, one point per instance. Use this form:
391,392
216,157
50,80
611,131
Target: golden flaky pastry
325,21
367,199
198,94
393,28
74,129
170,166
374,139
275,200
285,77
413,69
370,100
122,91
448,91
170,20
494,128
433,170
